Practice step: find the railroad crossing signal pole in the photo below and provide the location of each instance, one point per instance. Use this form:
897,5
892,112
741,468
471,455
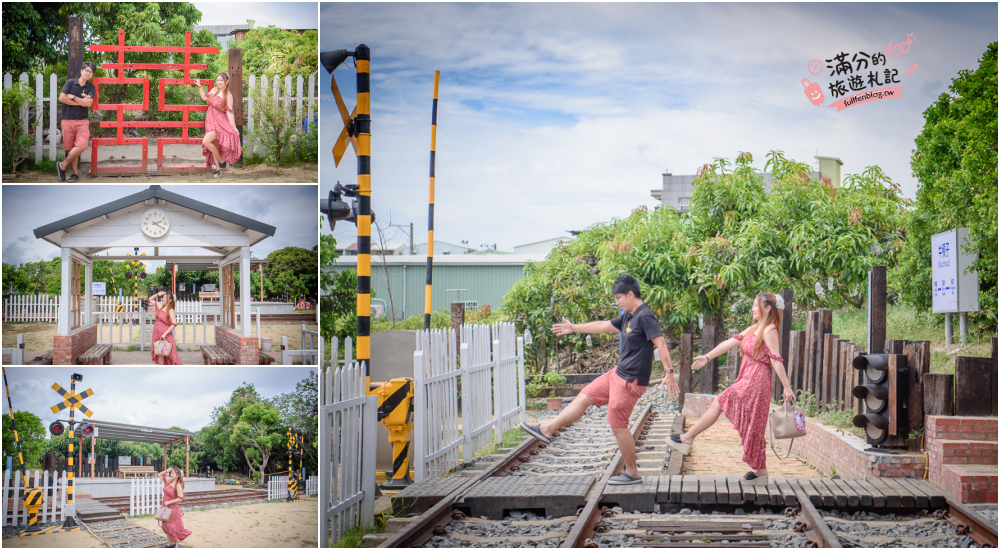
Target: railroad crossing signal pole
72,402
395,397
32,497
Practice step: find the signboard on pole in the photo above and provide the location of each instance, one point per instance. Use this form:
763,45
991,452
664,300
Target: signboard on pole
953,290
124,461
100,289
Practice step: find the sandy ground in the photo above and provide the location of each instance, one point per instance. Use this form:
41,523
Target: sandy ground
38,336
258,173
266,525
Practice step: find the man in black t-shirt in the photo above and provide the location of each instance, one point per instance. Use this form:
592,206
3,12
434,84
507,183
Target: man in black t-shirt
77,95
621,387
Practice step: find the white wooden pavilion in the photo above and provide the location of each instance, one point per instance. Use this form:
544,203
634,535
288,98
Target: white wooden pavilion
226,236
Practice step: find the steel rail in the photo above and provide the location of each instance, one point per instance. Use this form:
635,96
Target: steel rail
814,526
421,529
584,527
969,522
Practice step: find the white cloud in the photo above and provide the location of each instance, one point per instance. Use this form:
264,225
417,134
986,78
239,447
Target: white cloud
553,117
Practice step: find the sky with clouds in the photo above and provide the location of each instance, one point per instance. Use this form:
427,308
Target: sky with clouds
285,15
281,206
154,397
553,117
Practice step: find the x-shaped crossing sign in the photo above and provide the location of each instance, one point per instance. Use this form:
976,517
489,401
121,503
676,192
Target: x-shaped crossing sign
340,146
72,400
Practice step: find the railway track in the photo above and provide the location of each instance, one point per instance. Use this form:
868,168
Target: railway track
587,450
200,498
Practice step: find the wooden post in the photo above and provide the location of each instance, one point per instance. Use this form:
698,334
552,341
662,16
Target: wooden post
876,309
827,378
92,458
187,455
973,394
939,394
794,368
733,360
786,322
918,363
824,327
812,335
710,373
458,319
993,383
236,88
74,60
684,372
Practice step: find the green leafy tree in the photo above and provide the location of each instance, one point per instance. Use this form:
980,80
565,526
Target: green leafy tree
298,411
16,142
247,429
955,161
30,432
294,269
272,51
15,278
30,32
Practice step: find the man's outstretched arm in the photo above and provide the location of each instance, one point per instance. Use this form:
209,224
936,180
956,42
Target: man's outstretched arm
593,327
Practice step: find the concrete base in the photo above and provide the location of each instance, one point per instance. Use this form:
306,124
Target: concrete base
102,487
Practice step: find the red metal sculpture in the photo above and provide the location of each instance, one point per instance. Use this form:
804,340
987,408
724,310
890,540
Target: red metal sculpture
121,124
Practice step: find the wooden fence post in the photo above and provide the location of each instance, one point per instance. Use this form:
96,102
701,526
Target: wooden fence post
733,360
973,394
710,373
74,61
236,88
939,394
458,319
876,309
826,378
823,327
684,372
993,382
918,363
812,335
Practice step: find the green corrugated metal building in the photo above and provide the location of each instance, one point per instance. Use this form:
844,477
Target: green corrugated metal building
482,278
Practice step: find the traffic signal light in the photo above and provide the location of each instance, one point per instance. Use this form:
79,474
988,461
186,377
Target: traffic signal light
56,428
86,430
883,391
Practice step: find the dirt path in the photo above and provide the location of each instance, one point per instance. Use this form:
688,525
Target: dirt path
258,173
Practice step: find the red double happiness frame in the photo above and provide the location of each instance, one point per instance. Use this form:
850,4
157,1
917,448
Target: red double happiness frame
120,124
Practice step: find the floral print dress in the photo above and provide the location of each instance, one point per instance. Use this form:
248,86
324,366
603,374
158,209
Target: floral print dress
161,326
174,526
216,120
747,402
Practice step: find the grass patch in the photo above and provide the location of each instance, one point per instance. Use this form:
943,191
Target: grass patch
353,538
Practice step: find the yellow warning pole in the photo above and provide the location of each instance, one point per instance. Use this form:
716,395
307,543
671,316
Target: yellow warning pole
430,208
363,130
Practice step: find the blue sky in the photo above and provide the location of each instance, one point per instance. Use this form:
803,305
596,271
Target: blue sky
279,205
553,117
157,398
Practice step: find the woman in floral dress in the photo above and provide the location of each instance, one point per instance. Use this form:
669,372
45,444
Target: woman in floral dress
173,493
221,144
166,322
746,402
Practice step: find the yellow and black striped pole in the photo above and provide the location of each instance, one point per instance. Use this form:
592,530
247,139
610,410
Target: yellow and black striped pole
430,208
291,476
33,496
70,522
298,473
363,130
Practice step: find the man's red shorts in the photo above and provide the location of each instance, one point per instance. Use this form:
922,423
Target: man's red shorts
76,133
620,396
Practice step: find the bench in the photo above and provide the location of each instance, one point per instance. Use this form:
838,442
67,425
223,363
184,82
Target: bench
97,355
42,359
266,359
214,355
136,471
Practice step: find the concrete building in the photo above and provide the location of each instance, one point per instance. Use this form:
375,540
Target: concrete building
224,34
541,247
677,191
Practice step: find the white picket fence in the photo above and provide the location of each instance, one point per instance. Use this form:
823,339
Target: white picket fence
311,344
312,485
304,107
53,497
493,399
20,308
277,488
28,308
437,437
145,496
347,429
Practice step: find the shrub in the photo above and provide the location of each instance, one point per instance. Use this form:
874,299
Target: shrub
16,142
275,125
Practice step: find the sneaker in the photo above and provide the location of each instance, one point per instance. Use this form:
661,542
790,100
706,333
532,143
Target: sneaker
61,172
535,431
74,178
624,479
675,443
751,478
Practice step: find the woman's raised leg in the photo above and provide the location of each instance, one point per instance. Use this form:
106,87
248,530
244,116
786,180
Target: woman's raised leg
710,417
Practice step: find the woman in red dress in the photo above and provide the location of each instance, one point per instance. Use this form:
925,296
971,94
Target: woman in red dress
747,402
173,493
221,144
166,322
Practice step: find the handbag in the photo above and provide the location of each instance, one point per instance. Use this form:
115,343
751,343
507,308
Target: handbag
788,422
163,514
162,347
